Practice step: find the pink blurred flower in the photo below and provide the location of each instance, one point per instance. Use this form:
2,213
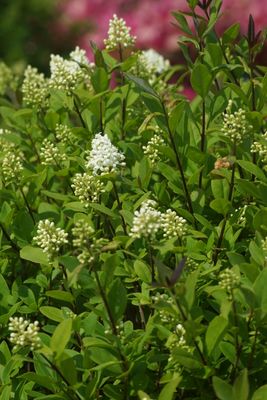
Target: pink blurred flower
151,20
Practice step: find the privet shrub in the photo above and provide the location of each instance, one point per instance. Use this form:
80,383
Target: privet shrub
134,223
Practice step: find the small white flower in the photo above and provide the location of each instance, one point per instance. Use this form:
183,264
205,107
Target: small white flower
152,148
154,62
172,224
118,34
34,88
50,153
146,221
235,124
82,232
104,156
87,188
24,333
63,132
49,237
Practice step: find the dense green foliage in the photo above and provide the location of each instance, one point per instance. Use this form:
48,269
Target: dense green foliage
143,261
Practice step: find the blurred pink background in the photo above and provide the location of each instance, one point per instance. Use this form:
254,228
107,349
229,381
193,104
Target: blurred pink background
151,20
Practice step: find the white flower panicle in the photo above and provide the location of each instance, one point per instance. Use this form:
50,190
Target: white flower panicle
229,280
7,78
63,132
34,89
50,153
165,315
87,188
146,221
152,148
68,74
260,147
24,333
173,225
235,124
82,232
154,62
11,165
118,34
104,157
49,237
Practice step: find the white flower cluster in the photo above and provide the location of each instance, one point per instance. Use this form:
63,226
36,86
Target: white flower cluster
84,239
49,237
152,148
104,157
148,221
154,62
11,160
164,313
63,132
177,340
260,147
68,74
173,225
87,188
118,34
235,124
7,78
228,280
34,88
82,232
50,153
24,333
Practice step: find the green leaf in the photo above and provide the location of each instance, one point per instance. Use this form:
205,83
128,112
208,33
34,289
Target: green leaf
142,271
34,254
142,84
169,389
186,359
256,253
231,33
260,221
201,79
60,295
42,380
221,206
61,336
103,210
259,286
241,386
190,286
100,80
117,299
253,169
260,394
52,313
222,389
215,332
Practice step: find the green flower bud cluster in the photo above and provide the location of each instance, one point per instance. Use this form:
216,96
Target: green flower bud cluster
88,245
87,188
152,148
235,124
63,133
50,238
260,147
118,34
7,78
11,160
50,153
229,280
23,333
34,89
